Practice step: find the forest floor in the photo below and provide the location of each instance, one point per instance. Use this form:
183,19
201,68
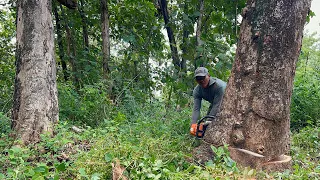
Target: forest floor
149,144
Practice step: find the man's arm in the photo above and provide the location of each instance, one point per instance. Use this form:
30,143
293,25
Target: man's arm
216,102
196,110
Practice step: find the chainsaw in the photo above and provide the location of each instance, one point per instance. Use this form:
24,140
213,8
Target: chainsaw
202,125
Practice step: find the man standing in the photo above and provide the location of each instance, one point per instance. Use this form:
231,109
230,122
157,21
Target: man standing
210,89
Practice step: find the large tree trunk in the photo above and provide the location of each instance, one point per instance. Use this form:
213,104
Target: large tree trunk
35,97
105,38
255,113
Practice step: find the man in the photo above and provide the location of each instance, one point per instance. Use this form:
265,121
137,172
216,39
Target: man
210,89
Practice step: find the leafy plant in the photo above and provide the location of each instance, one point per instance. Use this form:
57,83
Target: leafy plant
222,159
4,124
89,106
305,106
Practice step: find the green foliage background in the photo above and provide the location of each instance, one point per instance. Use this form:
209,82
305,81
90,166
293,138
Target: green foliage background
132,117
305,106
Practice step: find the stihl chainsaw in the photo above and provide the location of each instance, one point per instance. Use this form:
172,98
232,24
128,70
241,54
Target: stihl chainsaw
202,125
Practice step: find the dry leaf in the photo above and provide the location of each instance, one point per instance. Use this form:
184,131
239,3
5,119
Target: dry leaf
117,171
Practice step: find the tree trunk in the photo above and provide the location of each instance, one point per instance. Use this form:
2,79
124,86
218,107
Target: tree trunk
60,43
172,41
185,40
198,54
71,51
84,26
105,38
236,19
35,106
255,113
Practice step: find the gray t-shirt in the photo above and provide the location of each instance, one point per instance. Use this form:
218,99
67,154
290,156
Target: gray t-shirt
213,94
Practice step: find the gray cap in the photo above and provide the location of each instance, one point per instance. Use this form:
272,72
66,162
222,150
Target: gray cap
201,71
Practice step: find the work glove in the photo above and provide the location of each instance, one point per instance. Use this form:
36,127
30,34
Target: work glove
193,129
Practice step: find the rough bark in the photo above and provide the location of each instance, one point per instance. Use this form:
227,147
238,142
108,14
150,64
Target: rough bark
60,43
172,41
105,37
255,113
35,106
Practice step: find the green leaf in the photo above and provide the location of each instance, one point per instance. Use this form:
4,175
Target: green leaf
37,177
95,176
214,149
150,175
61,167
16,149
158,163
190,168
2,176
197,14
82,172
30,172
41,169
56,177
250,173
158,176
108,157
210,164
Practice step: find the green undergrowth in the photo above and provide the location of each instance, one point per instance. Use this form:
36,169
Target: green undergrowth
152,143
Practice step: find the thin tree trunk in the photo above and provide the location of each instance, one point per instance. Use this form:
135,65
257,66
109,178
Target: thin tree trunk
199,54
185,41
184,49
74,59
199,23
135,70
35,108
255,113
71,46
236,19
60,43
84,26
172,41
149,80
105,38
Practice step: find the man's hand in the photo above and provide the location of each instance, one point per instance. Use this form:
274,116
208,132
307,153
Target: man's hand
193,129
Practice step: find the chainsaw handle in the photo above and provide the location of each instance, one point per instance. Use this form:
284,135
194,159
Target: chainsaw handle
200,131
205,117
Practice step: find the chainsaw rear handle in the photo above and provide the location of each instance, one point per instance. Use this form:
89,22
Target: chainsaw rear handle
206,117
201,125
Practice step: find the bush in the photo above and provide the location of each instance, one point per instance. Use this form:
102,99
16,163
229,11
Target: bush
90,105
305,105
4,124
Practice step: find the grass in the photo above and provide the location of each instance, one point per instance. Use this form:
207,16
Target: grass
148,142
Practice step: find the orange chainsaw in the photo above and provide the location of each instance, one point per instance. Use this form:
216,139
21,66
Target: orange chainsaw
202,125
